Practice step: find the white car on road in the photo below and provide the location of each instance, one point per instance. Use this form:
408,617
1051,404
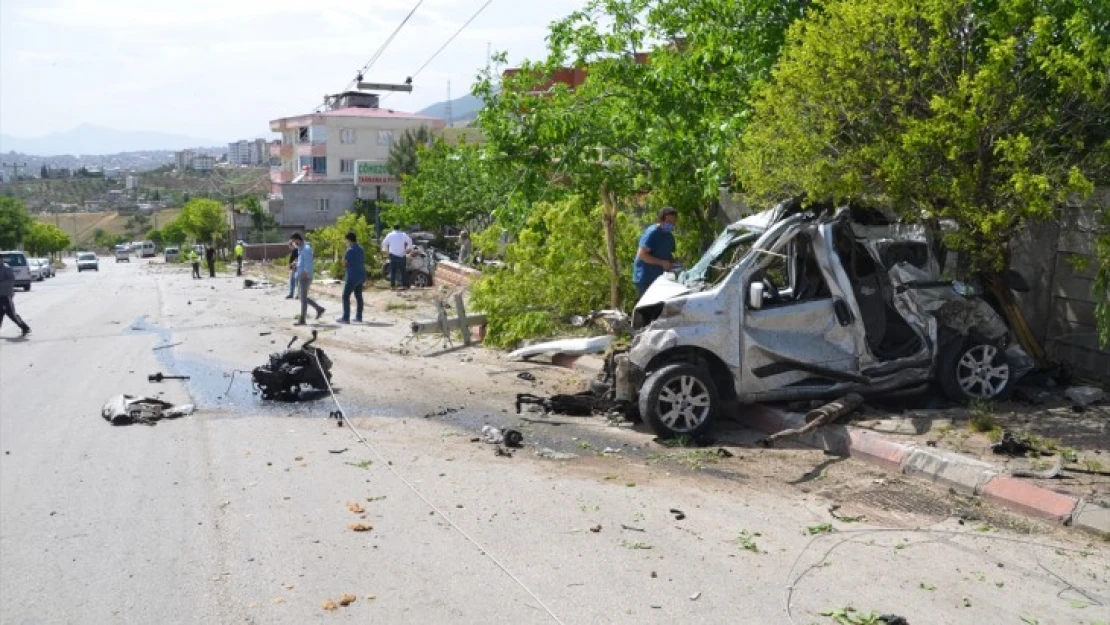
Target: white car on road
48,270
37,271
18,262
87,260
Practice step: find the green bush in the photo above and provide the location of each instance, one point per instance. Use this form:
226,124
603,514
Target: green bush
556,268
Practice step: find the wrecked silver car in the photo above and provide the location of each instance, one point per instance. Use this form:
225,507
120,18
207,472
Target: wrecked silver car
788,306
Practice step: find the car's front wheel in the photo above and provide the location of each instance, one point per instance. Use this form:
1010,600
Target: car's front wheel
679,400
973,370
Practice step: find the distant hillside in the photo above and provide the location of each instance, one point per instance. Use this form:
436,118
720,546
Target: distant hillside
87,224
88,139
464,109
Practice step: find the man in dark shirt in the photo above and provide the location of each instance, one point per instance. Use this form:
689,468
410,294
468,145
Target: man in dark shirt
292,271
7,298
355,262
656,251
210,258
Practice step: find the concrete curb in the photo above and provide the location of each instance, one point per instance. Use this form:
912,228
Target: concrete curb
956,471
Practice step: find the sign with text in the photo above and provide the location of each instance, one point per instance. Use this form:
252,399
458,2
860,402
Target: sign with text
372,173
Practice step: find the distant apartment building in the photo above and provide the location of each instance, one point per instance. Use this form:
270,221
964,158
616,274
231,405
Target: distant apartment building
331,158
204,162
183,159
243,152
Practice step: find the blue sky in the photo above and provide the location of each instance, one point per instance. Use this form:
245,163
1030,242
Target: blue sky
221,69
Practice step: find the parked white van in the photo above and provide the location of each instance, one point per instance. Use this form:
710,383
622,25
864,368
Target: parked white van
146,249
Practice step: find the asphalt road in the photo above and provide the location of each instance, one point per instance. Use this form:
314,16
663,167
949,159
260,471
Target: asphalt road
241,512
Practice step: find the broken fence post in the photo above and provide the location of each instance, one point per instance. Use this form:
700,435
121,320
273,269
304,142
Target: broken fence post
460,310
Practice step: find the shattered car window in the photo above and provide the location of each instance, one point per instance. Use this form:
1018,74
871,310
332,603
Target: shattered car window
720,258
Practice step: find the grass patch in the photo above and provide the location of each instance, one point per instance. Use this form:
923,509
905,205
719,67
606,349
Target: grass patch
396,306
824,528
692,459
365,464
746,541
635,545
851,616
983,421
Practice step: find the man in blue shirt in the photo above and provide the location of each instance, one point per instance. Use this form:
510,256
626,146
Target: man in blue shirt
305,269
355,262
656,251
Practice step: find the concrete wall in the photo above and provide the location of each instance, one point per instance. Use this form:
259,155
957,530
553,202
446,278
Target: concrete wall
299,206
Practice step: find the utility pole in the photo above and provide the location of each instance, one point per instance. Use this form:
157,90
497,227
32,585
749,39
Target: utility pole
15,167
448,109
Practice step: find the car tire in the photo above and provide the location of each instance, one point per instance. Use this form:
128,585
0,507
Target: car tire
419,279
973,370
26,287
679,400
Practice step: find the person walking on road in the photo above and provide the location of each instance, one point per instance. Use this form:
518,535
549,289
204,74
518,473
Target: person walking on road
210,258
292,270
354,261
305,271
397,244
239,258
195,259
7,299
656,251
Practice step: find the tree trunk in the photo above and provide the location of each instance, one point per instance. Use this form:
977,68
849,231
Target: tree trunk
609,222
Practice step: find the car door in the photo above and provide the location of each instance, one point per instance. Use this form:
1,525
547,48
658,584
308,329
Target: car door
801,336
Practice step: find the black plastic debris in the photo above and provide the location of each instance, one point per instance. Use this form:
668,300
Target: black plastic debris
579,405
288,372
526,376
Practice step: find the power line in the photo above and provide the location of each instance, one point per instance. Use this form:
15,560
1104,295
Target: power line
447,43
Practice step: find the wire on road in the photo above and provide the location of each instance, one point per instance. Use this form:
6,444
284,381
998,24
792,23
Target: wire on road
389,465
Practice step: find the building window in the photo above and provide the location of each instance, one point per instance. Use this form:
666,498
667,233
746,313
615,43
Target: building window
347,135
319,164
346,165
302,134
323,204
385,137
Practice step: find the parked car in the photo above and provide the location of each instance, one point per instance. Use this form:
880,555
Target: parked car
123,255
172,254
789,306
145,249
88,260
420,267
47,267
18,262
38,274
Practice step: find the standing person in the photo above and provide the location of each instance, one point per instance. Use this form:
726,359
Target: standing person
464,247
195,258
397,244
292,270
305,269
355,263
656,251
7,298
238,258
210,258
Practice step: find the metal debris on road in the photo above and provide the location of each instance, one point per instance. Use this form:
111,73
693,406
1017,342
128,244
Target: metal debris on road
551,454
1084,396
825,415
337,451
360,527
579,405
678,514
695,596
287,372
167,346
526,376
128,409
158,377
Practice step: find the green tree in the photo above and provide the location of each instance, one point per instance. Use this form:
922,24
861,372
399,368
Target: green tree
403,158
203,219
155,236
43,239
157,197
136,225
174,233
15,223
330,243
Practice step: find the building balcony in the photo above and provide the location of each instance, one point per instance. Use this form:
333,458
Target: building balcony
313,148
279,174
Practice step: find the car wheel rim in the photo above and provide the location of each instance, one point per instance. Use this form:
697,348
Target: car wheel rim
684,404
980,374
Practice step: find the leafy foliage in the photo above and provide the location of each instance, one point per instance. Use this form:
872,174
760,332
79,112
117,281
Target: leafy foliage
203,220
404,156
174,233
989,113
45,238
15,223
554,270
330,244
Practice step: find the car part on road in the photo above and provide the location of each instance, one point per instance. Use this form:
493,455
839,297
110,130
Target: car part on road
825,415
128,409
158,377
570,347
289,371
580,405
526,376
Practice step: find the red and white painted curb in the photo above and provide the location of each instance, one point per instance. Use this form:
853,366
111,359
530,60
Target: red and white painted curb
957,471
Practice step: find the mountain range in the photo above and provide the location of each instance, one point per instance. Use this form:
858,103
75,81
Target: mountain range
89,139
464,109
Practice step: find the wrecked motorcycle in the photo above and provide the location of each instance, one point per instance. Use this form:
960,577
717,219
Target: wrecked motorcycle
288,372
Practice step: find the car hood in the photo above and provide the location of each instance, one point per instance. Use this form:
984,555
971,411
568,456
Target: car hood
663,289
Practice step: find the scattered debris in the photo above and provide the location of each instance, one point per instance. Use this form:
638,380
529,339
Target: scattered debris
632,529
823,528
570,347
128,409
1047,474
635,545
746,541
337,451
346,600
843,518
579,405
353,506
825,415
501,451
1084,396
1010,445
256,284
610,450
695,596
526,376
265,333
678,514
158,377
167,346
442,412
288,371
551,454
329,605
360,527
595,529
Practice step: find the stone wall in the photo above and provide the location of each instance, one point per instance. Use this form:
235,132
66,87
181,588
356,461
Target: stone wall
454,276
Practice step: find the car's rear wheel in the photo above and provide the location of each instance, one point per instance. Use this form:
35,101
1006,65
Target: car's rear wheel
27,287
419,279
972,370
679,400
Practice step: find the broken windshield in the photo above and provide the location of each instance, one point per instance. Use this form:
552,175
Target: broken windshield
720,258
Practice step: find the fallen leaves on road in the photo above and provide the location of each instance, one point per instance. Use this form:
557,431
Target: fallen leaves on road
355,508
360,527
